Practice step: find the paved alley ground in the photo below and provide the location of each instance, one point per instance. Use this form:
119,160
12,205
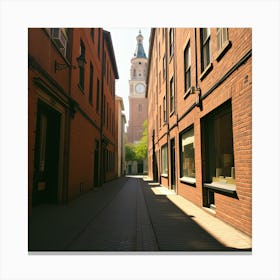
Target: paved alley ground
130,214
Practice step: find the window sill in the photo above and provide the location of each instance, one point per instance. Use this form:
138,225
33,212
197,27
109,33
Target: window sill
206,71
226,46
170,115
188,180
227,188
164,175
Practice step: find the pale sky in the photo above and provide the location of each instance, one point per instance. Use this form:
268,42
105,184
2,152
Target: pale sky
124,43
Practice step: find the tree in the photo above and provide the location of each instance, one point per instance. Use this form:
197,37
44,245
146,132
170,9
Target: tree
138,151
130,152
141,148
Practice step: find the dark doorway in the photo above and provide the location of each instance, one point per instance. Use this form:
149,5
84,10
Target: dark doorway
140,167
173,169
154,159
129,169
46,155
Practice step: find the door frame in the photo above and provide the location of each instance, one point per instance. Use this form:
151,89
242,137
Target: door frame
55,105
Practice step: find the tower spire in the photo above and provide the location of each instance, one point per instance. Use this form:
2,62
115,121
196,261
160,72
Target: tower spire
140,52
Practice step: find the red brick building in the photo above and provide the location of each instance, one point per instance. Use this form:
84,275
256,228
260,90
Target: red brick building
199,91
71,103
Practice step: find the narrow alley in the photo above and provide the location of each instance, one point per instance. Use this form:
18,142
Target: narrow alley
127,214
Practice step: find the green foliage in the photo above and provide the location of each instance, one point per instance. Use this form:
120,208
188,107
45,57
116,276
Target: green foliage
130,152
138,151
141,148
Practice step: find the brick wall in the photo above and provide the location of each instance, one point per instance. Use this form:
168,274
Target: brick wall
216,89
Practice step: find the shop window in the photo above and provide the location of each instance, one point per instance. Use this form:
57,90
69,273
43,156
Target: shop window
187,154
164,161
219,146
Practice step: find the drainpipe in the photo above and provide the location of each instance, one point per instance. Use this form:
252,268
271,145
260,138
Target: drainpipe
199,101
167,99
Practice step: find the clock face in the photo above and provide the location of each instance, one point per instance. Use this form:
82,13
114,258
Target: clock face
140,88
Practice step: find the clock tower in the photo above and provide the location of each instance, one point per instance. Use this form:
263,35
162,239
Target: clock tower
137,87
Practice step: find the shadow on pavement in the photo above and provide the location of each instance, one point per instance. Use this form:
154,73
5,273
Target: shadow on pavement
175,230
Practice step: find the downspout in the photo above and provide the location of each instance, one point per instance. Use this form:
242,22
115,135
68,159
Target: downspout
195,49
167,98
175,109
199,100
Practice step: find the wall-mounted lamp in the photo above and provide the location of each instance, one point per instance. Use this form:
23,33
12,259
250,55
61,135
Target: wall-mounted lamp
197,91
60,66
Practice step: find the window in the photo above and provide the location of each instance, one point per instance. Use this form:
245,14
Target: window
81,68
187,154
164,163
187,67
90,84
205,48
92,34
134,72
164,67
104,66
171,95
164,109
97,96
139,107
171,41
60,38
219,146
222,37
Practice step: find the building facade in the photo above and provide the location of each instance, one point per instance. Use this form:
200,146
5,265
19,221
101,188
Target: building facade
71,112
120,136
138,107
137,86
199,91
